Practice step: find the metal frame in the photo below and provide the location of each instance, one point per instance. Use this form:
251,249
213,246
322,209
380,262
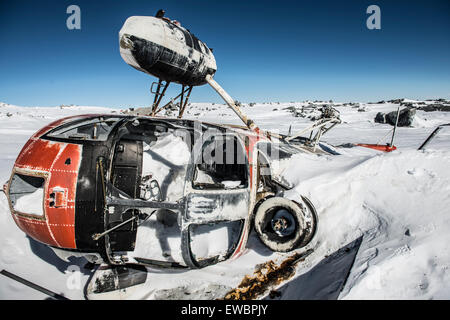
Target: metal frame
27,172
160,94
118,202
432,135
321,126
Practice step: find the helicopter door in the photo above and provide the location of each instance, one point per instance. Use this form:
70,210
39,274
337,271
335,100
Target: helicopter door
217,200
125,175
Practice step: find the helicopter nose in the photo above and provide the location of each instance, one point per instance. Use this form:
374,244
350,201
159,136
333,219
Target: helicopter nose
126,42
126,48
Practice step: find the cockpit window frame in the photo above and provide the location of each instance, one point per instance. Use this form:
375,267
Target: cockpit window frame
60,131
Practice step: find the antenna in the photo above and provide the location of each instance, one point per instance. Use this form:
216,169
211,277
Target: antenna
395,127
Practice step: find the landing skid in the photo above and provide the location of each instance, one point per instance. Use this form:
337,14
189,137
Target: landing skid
115,282
121,281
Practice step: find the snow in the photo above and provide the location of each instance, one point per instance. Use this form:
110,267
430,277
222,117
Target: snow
167,157
210,241
155,240
231,184
397,201
31,203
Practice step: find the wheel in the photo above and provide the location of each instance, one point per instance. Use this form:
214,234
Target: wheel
284,225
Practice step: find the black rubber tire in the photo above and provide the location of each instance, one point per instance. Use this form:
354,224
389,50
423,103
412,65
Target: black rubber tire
301,213
311,221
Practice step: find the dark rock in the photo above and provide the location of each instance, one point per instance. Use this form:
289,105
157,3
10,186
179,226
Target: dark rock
380,117
346,145
435,107
405,118
396,101
290,109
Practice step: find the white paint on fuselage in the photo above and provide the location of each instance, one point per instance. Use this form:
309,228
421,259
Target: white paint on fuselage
157,31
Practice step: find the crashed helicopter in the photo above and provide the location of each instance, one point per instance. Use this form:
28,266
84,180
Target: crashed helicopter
143,190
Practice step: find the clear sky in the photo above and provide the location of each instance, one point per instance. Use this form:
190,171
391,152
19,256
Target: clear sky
265,51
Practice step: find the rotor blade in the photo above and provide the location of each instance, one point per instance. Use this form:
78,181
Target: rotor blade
33,285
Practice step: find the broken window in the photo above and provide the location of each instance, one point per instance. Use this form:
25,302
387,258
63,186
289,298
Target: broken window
26,194
86,129
156,157
223,164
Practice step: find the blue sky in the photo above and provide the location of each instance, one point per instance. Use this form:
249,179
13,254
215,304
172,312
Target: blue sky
265,51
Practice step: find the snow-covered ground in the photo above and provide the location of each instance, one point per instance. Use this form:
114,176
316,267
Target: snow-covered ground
399,202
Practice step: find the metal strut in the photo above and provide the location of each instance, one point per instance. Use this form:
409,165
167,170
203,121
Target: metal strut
158,95
231,103
320,125
183,106
97,236
33,285
395,127
183,102
432,135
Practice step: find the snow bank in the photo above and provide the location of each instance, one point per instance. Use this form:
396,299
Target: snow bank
399,202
